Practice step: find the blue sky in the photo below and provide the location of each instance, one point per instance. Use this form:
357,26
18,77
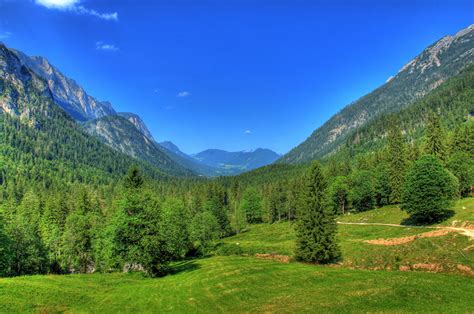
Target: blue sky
230,74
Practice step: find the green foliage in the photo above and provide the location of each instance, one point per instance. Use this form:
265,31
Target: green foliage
362,190
462,166
339,194
435,141
396,152
138,239
252,205
217,201
204,232
316,225
5,251
175,222
429,190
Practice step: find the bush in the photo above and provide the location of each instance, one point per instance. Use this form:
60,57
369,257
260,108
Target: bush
429,190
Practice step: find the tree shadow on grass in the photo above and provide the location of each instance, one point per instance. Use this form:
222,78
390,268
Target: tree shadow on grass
420,221
183,267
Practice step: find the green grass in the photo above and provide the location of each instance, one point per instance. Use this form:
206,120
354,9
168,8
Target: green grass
241,284
446,251
229,284
463,211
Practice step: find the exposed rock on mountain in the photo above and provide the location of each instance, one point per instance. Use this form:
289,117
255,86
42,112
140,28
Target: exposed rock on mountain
442,60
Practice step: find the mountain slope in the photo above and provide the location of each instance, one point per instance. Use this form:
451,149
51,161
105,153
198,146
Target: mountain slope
122,135
443,59
66,92
137,122
452,100
231,163
40,141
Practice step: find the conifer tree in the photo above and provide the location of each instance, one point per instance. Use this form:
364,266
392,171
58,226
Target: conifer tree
316,225
435,141
396,154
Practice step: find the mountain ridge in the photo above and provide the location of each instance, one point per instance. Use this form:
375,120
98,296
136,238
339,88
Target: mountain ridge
433,66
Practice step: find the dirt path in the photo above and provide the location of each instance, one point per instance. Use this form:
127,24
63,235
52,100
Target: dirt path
468,231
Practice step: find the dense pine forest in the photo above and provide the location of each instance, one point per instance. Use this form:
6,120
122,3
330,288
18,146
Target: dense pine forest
74,206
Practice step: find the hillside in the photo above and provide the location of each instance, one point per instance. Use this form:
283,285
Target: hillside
369,241
442,60
137,122
452,100
239,284
41,142
122,135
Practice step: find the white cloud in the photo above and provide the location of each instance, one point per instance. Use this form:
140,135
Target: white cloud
108,47
248,132
57,4
5,35
73,6
183,94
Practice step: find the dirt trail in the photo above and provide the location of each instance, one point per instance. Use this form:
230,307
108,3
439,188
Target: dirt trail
467,231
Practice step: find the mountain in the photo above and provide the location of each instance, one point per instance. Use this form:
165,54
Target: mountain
138,123
121,134
125,132
437,63
66,92
231,163
170,146
41,142
452,101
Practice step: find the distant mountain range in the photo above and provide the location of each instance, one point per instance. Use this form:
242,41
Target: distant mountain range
216,162
126,132
445,58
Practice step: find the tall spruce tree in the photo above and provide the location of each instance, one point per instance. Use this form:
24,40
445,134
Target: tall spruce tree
316,225
435,141
397,159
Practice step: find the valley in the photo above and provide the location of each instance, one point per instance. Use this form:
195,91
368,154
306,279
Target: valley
106,210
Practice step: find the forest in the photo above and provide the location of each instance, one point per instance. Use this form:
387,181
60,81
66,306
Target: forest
60,222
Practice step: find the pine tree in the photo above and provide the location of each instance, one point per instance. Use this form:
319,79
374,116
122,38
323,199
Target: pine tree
396,154
435,141
316,225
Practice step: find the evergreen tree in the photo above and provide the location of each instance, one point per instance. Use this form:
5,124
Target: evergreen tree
137,238
435,141
217,201
382,185
174,227
316,226
429,190
396,155
462,166
251,204
362,190
339,194
5,252
204,232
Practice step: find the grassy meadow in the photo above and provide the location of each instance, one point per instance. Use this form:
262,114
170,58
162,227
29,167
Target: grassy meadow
240,284
367,278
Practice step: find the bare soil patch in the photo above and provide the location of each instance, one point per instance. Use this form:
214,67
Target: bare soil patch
274,257
403,240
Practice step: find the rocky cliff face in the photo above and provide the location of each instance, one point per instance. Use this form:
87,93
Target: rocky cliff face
138,123
66,92
440,61
21,89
